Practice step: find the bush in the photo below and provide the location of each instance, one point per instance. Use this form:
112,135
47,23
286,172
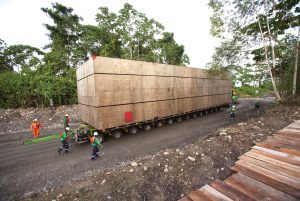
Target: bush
34,88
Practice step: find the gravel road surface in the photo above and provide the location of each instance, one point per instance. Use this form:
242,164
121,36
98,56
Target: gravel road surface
39,167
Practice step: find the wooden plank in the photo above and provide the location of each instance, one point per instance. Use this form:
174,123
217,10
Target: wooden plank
255,189
287,138
185,199
289,134
293,182
270,178
295,160
292,130
286,142
273,161
272,167
281,147
214,194
147,90
197,195
229,191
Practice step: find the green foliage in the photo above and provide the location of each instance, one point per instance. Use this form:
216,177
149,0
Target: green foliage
236,23
64,36
129,34
30,77
35,88
250,91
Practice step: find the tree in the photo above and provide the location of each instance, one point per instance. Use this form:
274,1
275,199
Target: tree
296,65
63,36
22,57
251,22
171,52
3,61
129,34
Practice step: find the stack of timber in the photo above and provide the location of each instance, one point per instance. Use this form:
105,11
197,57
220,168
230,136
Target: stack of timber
269,171
108,89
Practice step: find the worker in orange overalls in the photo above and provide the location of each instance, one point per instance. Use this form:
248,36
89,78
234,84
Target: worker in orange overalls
35,127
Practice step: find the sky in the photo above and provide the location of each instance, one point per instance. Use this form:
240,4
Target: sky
21,21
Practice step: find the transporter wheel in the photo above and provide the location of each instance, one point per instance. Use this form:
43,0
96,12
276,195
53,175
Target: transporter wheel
186,117
101,137
146,127
116,134
169,121
179,119
159,124
133,130
194,115
200,114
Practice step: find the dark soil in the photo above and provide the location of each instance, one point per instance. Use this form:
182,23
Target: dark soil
173,172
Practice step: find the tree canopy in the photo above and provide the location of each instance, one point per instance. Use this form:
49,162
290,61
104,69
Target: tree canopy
253,33
31,77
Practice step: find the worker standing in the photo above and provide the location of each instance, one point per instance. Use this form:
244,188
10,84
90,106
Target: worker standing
66,121
64,140
35,127
95,142
257,104
232,113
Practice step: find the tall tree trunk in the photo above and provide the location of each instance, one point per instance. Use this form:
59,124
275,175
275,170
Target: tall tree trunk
273,53
296,65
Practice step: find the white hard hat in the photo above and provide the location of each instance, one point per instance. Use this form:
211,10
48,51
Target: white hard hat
67,128
35,120
95,133
66,115
233,106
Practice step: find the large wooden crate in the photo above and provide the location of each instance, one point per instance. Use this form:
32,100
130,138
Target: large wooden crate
108,88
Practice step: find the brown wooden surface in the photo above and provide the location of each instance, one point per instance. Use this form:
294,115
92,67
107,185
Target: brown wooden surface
273,161
285,157
107,88
214,194
272,167
229,191
255,189
270,171
280,146
271,179
197,195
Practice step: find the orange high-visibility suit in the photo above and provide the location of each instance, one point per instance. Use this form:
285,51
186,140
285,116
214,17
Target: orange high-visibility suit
35,126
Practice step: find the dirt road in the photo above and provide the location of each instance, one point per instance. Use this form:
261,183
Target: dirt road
37,167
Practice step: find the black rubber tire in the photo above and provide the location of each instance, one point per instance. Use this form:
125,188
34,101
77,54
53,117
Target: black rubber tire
159,124
194,115
179,119
169,121
133,130
116,134
101,137
146,127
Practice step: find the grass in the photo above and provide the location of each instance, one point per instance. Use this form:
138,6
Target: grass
42,139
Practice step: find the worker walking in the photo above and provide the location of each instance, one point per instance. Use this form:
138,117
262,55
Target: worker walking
64,140
35,127
257,104
232,113
95,142
66,121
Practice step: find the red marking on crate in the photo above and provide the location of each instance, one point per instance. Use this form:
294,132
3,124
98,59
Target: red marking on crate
128,116
94,57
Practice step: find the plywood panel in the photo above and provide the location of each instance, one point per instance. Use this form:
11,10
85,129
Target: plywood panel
114,86
113,116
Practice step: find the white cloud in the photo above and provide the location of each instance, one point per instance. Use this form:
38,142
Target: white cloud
22,21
